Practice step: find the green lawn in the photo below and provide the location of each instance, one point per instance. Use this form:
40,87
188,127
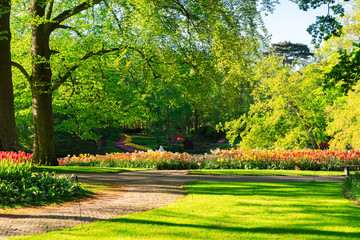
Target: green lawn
215,210
72,169
264,172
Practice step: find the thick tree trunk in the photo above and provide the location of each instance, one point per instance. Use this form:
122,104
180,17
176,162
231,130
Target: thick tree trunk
8,137
44,150
40,81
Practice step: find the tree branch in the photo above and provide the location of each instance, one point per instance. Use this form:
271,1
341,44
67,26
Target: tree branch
147,60
73,11
70,28
114,14
22,70
73,68
50,9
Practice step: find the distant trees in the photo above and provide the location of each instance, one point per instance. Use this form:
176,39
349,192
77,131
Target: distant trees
288,108
315,103
296,53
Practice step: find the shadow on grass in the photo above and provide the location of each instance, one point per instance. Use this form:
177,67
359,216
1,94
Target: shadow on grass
293,189
263,230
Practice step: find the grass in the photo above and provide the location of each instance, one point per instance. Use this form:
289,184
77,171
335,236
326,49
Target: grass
254,172
215,210
72,169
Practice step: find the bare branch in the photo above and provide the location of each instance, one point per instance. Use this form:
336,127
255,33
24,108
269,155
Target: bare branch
22,70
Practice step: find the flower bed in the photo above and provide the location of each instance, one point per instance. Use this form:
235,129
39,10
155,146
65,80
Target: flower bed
222,159
15,156
290,159
149,159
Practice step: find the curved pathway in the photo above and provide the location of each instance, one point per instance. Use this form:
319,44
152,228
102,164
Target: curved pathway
131,192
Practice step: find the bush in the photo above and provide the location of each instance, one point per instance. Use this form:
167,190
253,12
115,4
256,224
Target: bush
351,187
19,186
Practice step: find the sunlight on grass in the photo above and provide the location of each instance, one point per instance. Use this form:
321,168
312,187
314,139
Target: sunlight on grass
214,210
260,172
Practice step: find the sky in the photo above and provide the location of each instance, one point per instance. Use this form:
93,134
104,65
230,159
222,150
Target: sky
289,23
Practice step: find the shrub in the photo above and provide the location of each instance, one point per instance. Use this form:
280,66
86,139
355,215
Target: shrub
351,187
19,186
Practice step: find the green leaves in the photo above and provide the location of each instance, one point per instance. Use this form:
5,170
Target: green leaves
37,189
346,72
288,109
325,26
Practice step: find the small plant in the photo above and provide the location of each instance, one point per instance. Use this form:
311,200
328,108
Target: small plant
351,187
19,186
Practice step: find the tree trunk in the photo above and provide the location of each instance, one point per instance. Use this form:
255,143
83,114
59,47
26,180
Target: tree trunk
44,149
312,138
40,81
8,137
168,126
196,119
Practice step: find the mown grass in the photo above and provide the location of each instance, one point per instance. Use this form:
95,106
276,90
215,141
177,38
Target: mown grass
215,210
260,172
84,169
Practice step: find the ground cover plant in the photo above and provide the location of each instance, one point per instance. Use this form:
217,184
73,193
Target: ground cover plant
214,210
20,186
351,187
325,160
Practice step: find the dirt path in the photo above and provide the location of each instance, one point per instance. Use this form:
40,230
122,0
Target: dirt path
119,200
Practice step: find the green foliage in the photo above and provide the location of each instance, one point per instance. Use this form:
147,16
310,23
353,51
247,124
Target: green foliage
345,115
156,64
346,72
325,26
288,108
351,186
292,53
19,186
13,171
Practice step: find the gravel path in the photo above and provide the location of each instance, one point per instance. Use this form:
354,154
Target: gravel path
130,193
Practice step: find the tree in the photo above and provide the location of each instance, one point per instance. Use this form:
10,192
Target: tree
346,72
344,127
129,32
288,109
8,136
325,26
296,53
